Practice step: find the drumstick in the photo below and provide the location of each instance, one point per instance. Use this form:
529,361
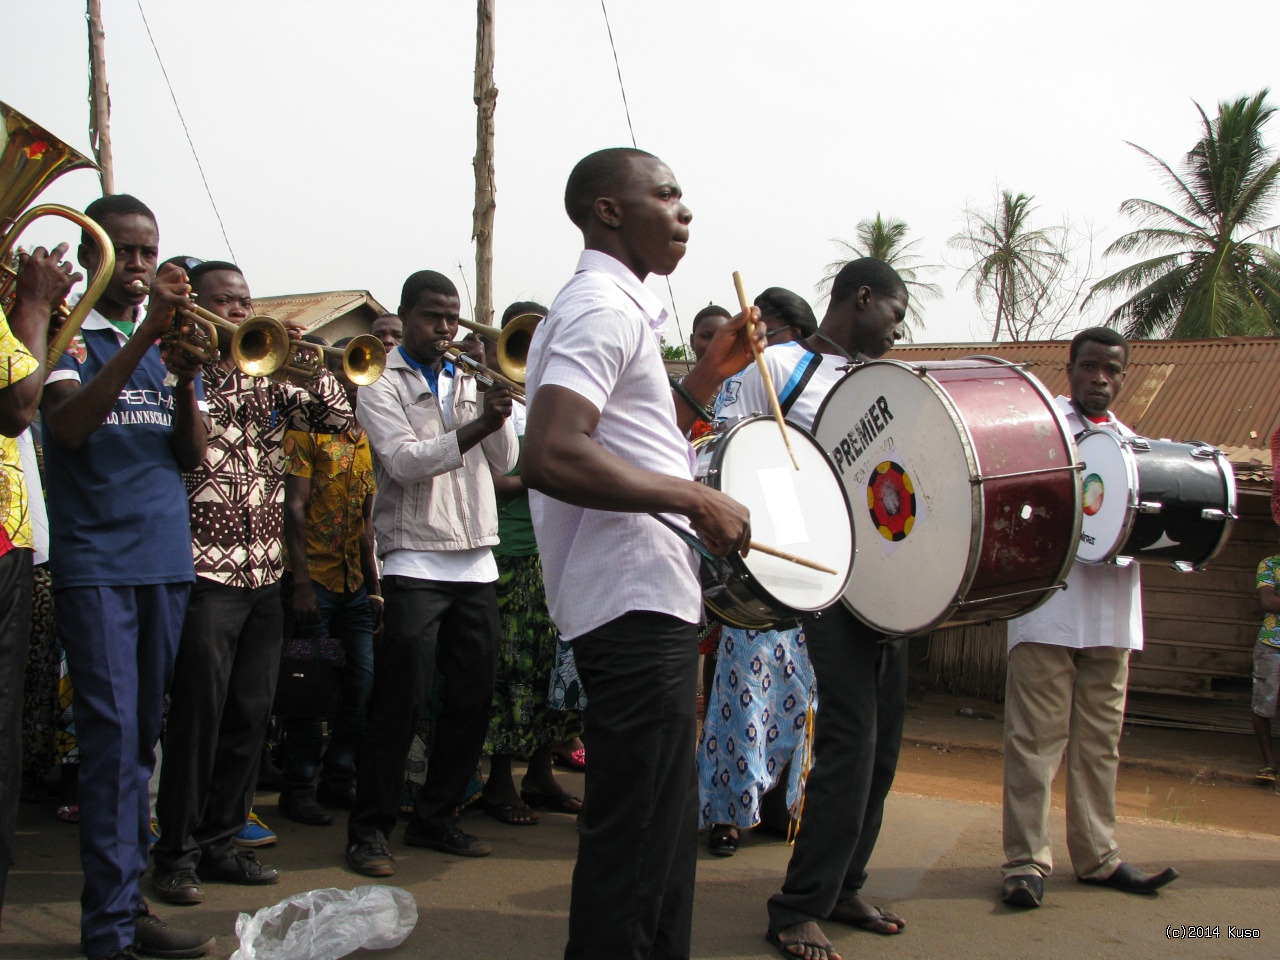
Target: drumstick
764,374
774,552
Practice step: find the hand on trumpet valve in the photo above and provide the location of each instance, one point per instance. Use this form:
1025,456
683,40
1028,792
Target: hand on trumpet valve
497,405
294,329
169,293
44,278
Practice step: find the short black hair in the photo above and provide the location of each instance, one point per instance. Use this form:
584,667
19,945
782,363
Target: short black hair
789,307
342,344
710,310
424,281
597,175
186,263
196,273
113,204
1103,335
866,272
315,338
519,308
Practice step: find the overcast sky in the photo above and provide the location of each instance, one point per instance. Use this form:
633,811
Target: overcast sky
337,137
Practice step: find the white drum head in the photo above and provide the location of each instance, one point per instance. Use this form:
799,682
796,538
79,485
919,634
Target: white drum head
903,456
1110,487
800,512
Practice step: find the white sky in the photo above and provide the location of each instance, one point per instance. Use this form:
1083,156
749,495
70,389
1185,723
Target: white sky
337,137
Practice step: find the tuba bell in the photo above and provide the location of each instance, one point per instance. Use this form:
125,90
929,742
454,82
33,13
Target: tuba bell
30,159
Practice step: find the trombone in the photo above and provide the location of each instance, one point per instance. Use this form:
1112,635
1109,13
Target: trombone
513,343
486,375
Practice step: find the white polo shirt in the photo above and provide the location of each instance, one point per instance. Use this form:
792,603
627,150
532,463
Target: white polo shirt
1102,605
601,340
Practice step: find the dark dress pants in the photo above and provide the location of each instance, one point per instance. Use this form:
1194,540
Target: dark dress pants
223,684
638,831
428,626
16,585
862,698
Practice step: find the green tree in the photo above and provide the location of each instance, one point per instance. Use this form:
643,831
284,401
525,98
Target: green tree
1017,270
1211,269
885,240
675,351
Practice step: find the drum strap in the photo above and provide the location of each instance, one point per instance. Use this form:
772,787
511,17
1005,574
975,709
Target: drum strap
800,378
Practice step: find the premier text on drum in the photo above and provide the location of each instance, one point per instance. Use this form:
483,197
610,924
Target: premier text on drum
857,440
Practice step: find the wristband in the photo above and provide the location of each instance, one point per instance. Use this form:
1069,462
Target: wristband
687,397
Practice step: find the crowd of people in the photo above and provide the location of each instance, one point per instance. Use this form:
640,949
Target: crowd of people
491,570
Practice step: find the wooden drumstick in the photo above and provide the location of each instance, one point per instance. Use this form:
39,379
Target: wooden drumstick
765,376
774,552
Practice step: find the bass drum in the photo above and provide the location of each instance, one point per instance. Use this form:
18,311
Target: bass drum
965,491
1154,501
802,512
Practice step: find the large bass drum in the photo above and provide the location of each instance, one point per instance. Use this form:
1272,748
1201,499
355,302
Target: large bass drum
802,512
965,491
1154,501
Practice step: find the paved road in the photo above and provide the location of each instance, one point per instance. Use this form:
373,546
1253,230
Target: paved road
936,864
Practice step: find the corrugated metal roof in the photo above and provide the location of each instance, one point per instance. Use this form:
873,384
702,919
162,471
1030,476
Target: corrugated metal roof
1223,391
314,309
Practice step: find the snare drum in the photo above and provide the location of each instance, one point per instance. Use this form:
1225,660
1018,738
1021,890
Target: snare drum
1154,501
802,512
965,491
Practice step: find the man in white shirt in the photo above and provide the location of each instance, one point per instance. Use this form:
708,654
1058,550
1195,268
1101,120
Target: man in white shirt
604,447
1065,688
861,674
435,518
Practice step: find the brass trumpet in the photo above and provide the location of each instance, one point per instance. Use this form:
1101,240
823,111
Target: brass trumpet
30,159
363,359
259,347
486,375
513,342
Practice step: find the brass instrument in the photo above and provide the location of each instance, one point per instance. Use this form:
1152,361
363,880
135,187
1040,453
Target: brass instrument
259,347
513,341
486,375
30,159
363,359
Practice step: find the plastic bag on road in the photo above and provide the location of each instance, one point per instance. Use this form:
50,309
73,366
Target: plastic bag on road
327,924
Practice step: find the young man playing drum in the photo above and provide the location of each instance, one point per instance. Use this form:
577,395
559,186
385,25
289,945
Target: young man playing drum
1065,689
862,674
605,445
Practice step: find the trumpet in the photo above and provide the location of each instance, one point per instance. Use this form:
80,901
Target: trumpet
513,342
259,347
363,359
486,375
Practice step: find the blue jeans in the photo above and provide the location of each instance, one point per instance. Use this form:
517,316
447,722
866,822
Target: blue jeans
349,617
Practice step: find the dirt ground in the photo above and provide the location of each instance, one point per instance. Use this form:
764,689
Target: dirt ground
1199,800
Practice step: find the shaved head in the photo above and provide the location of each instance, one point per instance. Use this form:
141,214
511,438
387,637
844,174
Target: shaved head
596,175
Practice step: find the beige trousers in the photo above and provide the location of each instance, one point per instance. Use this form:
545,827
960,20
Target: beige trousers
1060,698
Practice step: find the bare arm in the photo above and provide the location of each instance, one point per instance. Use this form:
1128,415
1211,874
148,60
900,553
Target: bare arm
1269,599
507,486
562,460
728,353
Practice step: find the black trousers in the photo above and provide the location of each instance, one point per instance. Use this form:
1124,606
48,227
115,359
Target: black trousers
862,698
637,833
224,680
428,626
16,585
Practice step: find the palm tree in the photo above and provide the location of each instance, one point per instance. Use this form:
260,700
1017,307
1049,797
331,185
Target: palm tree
1016,270
883,239
1212,271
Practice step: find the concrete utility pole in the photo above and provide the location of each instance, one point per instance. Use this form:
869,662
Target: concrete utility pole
485,94
99,99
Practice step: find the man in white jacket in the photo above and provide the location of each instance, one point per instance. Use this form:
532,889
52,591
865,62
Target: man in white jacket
435,440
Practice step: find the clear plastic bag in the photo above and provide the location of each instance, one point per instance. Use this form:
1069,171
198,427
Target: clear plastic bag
327,924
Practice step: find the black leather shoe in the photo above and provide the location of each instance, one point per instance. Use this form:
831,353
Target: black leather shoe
177,886
304,808
155,938
371,859
1130,879
452,841
242,868
1023,890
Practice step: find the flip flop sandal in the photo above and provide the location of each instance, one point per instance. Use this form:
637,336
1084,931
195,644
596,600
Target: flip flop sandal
69,813
509,813
783,946
871,921
555,802
575,760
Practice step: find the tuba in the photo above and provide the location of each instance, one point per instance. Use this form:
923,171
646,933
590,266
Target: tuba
30,159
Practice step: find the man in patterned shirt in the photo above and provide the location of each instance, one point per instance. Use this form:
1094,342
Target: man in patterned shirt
42,285
225,676
1266,664
330,580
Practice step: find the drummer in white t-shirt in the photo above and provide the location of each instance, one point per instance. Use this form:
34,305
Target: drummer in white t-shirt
862,675
1065,687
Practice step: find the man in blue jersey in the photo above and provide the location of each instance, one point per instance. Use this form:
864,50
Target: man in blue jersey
122,418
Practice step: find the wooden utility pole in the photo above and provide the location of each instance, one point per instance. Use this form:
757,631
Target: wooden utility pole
99,99
485,94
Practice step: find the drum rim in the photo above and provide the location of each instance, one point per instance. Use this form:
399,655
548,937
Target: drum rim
1130,461
736,563
1228,474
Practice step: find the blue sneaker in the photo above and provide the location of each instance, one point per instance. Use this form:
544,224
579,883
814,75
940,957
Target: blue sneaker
255,833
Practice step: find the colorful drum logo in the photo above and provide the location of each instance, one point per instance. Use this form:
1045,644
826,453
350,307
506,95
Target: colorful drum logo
1093,493
891,497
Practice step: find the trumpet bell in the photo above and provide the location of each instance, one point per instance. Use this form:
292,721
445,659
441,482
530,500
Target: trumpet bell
364,359
260,346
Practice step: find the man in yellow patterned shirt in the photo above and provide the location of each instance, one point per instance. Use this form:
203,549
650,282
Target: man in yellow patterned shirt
43,283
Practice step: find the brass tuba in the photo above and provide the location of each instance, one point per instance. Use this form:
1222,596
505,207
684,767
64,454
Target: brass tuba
30,159
513,341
